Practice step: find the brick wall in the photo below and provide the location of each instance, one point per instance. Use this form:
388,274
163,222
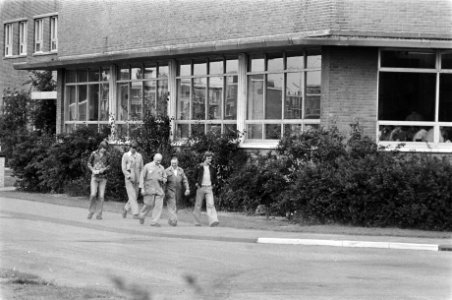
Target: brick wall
18,9
349,87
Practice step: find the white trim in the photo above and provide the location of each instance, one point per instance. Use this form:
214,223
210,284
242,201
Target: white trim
54,33
14,20
417,147
23,44
38,31
44,95
45,15
8,39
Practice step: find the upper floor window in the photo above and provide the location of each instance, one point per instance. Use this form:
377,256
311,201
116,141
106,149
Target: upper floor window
283,94
22,38
53,33
8,39
415,97
206,96
39,32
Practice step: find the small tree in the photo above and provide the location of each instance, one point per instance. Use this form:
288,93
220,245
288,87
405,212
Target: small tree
43,112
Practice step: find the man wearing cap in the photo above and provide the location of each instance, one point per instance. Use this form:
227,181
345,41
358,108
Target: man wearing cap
152,179
131,165
206,178
175,179
98,164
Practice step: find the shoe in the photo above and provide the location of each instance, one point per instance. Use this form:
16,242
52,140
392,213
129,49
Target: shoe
99,217
198,225
136,217
90,216
156,225
214,224
172,223
141,220
124,213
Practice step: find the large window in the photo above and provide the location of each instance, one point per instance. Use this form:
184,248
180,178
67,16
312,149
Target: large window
283,94
22,38
206,96
53,33
141,89
8,39
415,97
86,97
39,33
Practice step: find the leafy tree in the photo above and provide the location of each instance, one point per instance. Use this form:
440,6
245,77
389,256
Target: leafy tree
43,112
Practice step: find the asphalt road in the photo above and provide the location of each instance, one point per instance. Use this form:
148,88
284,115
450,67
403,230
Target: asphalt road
60,245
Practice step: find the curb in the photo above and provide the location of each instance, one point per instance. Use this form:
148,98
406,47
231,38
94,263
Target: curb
355,244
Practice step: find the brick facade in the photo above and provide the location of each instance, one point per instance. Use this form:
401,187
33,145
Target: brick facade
349,87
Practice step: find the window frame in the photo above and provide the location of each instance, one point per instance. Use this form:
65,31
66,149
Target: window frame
303,70
206,122
415,146
38,35
23,33
8,39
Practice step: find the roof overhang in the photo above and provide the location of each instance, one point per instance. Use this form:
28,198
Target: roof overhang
311,39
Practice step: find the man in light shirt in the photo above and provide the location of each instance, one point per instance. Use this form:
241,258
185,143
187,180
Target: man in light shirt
206,178
132,164
176,180
152,179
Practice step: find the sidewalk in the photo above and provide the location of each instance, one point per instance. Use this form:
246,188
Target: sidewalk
233,227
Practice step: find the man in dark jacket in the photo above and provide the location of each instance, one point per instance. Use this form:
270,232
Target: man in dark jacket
206,179
98,164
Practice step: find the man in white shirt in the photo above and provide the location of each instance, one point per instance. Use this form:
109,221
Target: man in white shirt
132,164
176,180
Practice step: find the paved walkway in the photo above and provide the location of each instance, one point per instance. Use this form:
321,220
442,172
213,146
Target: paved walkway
114,222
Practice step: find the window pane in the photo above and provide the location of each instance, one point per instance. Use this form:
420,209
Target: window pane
292,129
105,74
182,131
162,98
200,69
273,103
214,128
254,131
104,102
230,105
446,61
124,73
312,107
294,96
93,75
70,128
123,101
163,71
407,59
183,99
406,133
197,129
185,70
314,61
255,97
136,101
313,83
215,98
82,103
230,128
294,62
82,76
150,72
272,131
199,98
136,73
149,97
72,112
275,64
406,96
93,102
446,135
257,65
232,66
71,76
445,98
216,67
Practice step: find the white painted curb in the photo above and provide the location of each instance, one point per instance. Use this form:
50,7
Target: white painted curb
352,244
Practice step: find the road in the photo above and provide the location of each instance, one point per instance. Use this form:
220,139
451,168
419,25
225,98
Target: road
60,245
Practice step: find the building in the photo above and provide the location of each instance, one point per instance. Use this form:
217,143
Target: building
262,67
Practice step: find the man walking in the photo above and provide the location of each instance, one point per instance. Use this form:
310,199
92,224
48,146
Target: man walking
132,164
175,179
206,179
98,164
152,179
